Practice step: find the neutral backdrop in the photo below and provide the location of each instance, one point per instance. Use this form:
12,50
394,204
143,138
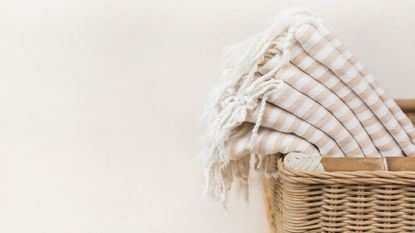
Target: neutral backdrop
100,103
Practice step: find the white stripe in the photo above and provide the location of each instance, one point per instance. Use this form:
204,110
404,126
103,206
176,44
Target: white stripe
316,136
330,145
372,98
372,128
288,140
339,62
354,103
296,51
303,128
288,73
369,78
331,125
394,152
332,82
409,128
302,82
336,42
305,107
401,137
390,103
342,135
382,112
328,101
343,92
290,100
351,73
352,124
315,118
306,62
324,52
342,111
383,140
313,40
287,124
272,118
346,53
319,72
361,87
241,146
358,66
317,90
364,115
380,91
302,30
360,137
269,145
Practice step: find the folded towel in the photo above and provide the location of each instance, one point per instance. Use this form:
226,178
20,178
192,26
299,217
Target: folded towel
295,88
303,162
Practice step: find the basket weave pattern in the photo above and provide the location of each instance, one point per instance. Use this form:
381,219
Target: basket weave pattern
364,201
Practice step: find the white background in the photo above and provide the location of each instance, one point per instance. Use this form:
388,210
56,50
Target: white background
100,102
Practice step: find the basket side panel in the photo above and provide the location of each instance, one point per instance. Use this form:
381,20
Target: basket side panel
341,204
302,206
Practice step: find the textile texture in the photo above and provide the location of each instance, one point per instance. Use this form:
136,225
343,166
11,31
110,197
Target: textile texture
295,88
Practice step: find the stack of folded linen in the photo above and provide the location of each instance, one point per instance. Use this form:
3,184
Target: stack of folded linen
295,88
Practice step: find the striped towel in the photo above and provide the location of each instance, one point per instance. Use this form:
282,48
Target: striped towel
295,88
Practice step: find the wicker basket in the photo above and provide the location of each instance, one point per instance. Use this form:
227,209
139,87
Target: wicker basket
364,201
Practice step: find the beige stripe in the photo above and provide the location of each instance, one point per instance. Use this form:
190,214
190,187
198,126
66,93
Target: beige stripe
299,103
310,150
312,111
331,57
352,60
378,133
347,118
377,105
263,141
387,147
318,47
364,72
299,57
309,132
363,108
365,94
279,121
292,79
326,76
296,125
343,69
323,95
338,87
307,34
323,141
278,143
365,144
312,68
374,84
354,81
309,87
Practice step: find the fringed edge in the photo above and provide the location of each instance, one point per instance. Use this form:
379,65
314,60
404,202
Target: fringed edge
239,92
237,171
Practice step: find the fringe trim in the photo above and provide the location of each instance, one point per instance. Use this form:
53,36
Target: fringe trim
240,92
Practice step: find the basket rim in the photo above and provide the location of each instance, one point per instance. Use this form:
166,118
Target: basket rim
346,177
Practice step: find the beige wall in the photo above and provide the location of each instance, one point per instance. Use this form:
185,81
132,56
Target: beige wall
99,106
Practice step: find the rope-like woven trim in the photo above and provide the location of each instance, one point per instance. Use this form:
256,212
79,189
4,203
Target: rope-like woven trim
352,178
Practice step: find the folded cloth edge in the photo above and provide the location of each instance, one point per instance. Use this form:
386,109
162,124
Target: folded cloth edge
238,93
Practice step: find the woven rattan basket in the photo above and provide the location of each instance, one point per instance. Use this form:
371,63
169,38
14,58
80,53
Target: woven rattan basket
364,201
